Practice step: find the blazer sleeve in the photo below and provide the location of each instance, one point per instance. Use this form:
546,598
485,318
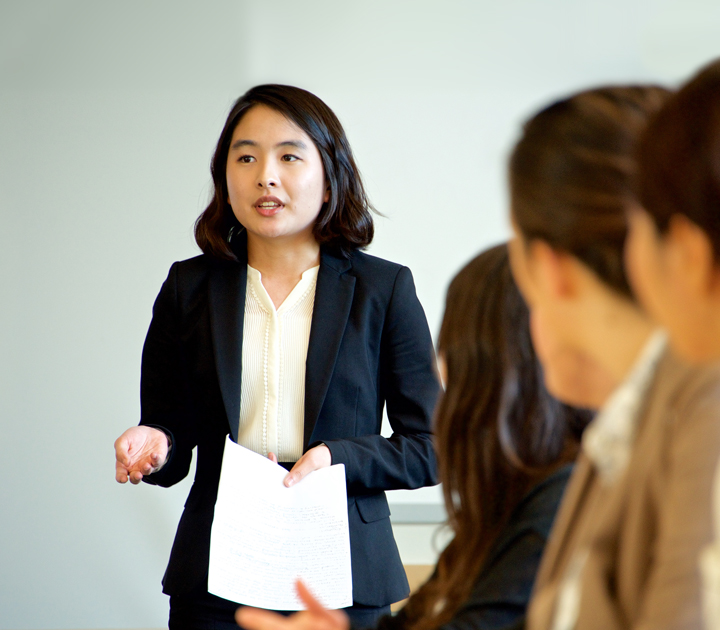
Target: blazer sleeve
165,403
409,384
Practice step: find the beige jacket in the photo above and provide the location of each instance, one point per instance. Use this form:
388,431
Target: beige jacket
641,537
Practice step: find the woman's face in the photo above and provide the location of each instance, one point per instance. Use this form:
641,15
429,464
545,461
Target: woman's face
275,177
570,374
666,273
547,334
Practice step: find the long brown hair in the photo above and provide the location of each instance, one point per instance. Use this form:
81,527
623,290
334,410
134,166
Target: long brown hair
571,174
345,222
497,430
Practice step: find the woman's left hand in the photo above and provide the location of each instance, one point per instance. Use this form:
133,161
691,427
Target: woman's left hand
316,458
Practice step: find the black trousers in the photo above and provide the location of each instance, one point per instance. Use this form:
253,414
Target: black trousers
201,610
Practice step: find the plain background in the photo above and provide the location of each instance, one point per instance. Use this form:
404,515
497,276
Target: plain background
109,112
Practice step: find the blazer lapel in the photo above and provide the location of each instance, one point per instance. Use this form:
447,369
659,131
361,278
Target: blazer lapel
333,299
227,285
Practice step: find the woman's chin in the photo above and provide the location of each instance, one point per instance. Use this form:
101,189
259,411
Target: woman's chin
584,386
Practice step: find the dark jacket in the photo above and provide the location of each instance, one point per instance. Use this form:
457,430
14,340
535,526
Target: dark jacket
502,591
369,347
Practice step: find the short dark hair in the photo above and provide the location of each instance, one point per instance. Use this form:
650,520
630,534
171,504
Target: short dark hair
345,220
572,172
679,157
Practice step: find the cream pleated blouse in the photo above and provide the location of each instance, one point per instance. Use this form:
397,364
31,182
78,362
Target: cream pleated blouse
275,344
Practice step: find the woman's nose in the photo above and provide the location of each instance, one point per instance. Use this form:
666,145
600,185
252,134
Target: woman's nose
267,177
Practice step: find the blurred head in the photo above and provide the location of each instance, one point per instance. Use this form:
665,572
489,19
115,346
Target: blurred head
494,386
497,430
343,220
673,252
571,184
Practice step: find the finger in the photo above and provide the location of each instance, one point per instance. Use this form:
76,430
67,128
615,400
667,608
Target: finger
335,619
135,477
157,461
307,598
273,458
122,450
316,458
151,465
256,619
130,450
301,468
121,473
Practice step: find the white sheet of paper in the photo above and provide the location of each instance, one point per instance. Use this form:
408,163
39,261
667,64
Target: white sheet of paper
264,535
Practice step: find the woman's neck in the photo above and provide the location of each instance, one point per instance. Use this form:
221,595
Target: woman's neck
281,263
617,331
272,257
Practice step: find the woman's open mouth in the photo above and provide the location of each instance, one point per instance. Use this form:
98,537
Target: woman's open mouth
268,206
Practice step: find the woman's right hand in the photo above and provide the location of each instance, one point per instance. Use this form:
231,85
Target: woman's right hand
315,617
140,451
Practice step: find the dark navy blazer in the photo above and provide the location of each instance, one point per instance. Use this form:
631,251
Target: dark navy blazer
369,347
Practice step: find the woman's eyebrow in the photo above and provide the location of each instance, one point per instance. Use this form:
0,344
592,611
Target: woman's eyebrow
242,143
298,144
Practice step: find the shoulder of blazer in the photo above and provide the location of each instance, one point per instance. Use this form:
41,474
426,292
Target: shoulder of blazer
191,271
370,271
534,514
538,507
688,384
677,386
192,274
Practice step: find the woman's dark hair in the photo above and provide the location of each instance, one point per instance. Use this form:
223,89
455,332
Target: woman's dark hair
498,432
679,157
345,221
571,174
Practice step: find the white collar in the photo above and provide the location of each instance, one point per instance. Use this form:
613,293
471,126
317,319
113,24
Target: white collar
307,282
609,439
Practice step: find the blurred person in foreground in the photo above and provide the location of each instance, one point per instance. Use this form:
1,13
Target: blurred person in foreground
623,551
673,249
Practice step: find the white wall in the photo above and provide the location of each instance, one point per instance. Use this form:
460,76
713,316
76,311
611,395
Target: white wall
109,112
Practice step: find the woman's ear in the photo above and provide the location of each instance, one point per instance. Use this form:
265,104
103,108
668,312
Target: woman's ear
691,257
555,270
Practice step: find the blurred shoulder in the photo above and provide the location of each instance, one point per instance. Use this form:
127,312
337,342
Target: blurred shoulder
686,386
538,507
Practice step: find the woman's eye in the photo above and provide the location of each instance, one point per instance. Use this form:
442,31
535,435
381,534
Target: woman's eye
290,158
246,159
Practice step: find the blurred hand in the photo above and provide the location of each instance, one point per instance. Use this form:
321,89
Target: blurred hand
138,452
316,458
314,618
